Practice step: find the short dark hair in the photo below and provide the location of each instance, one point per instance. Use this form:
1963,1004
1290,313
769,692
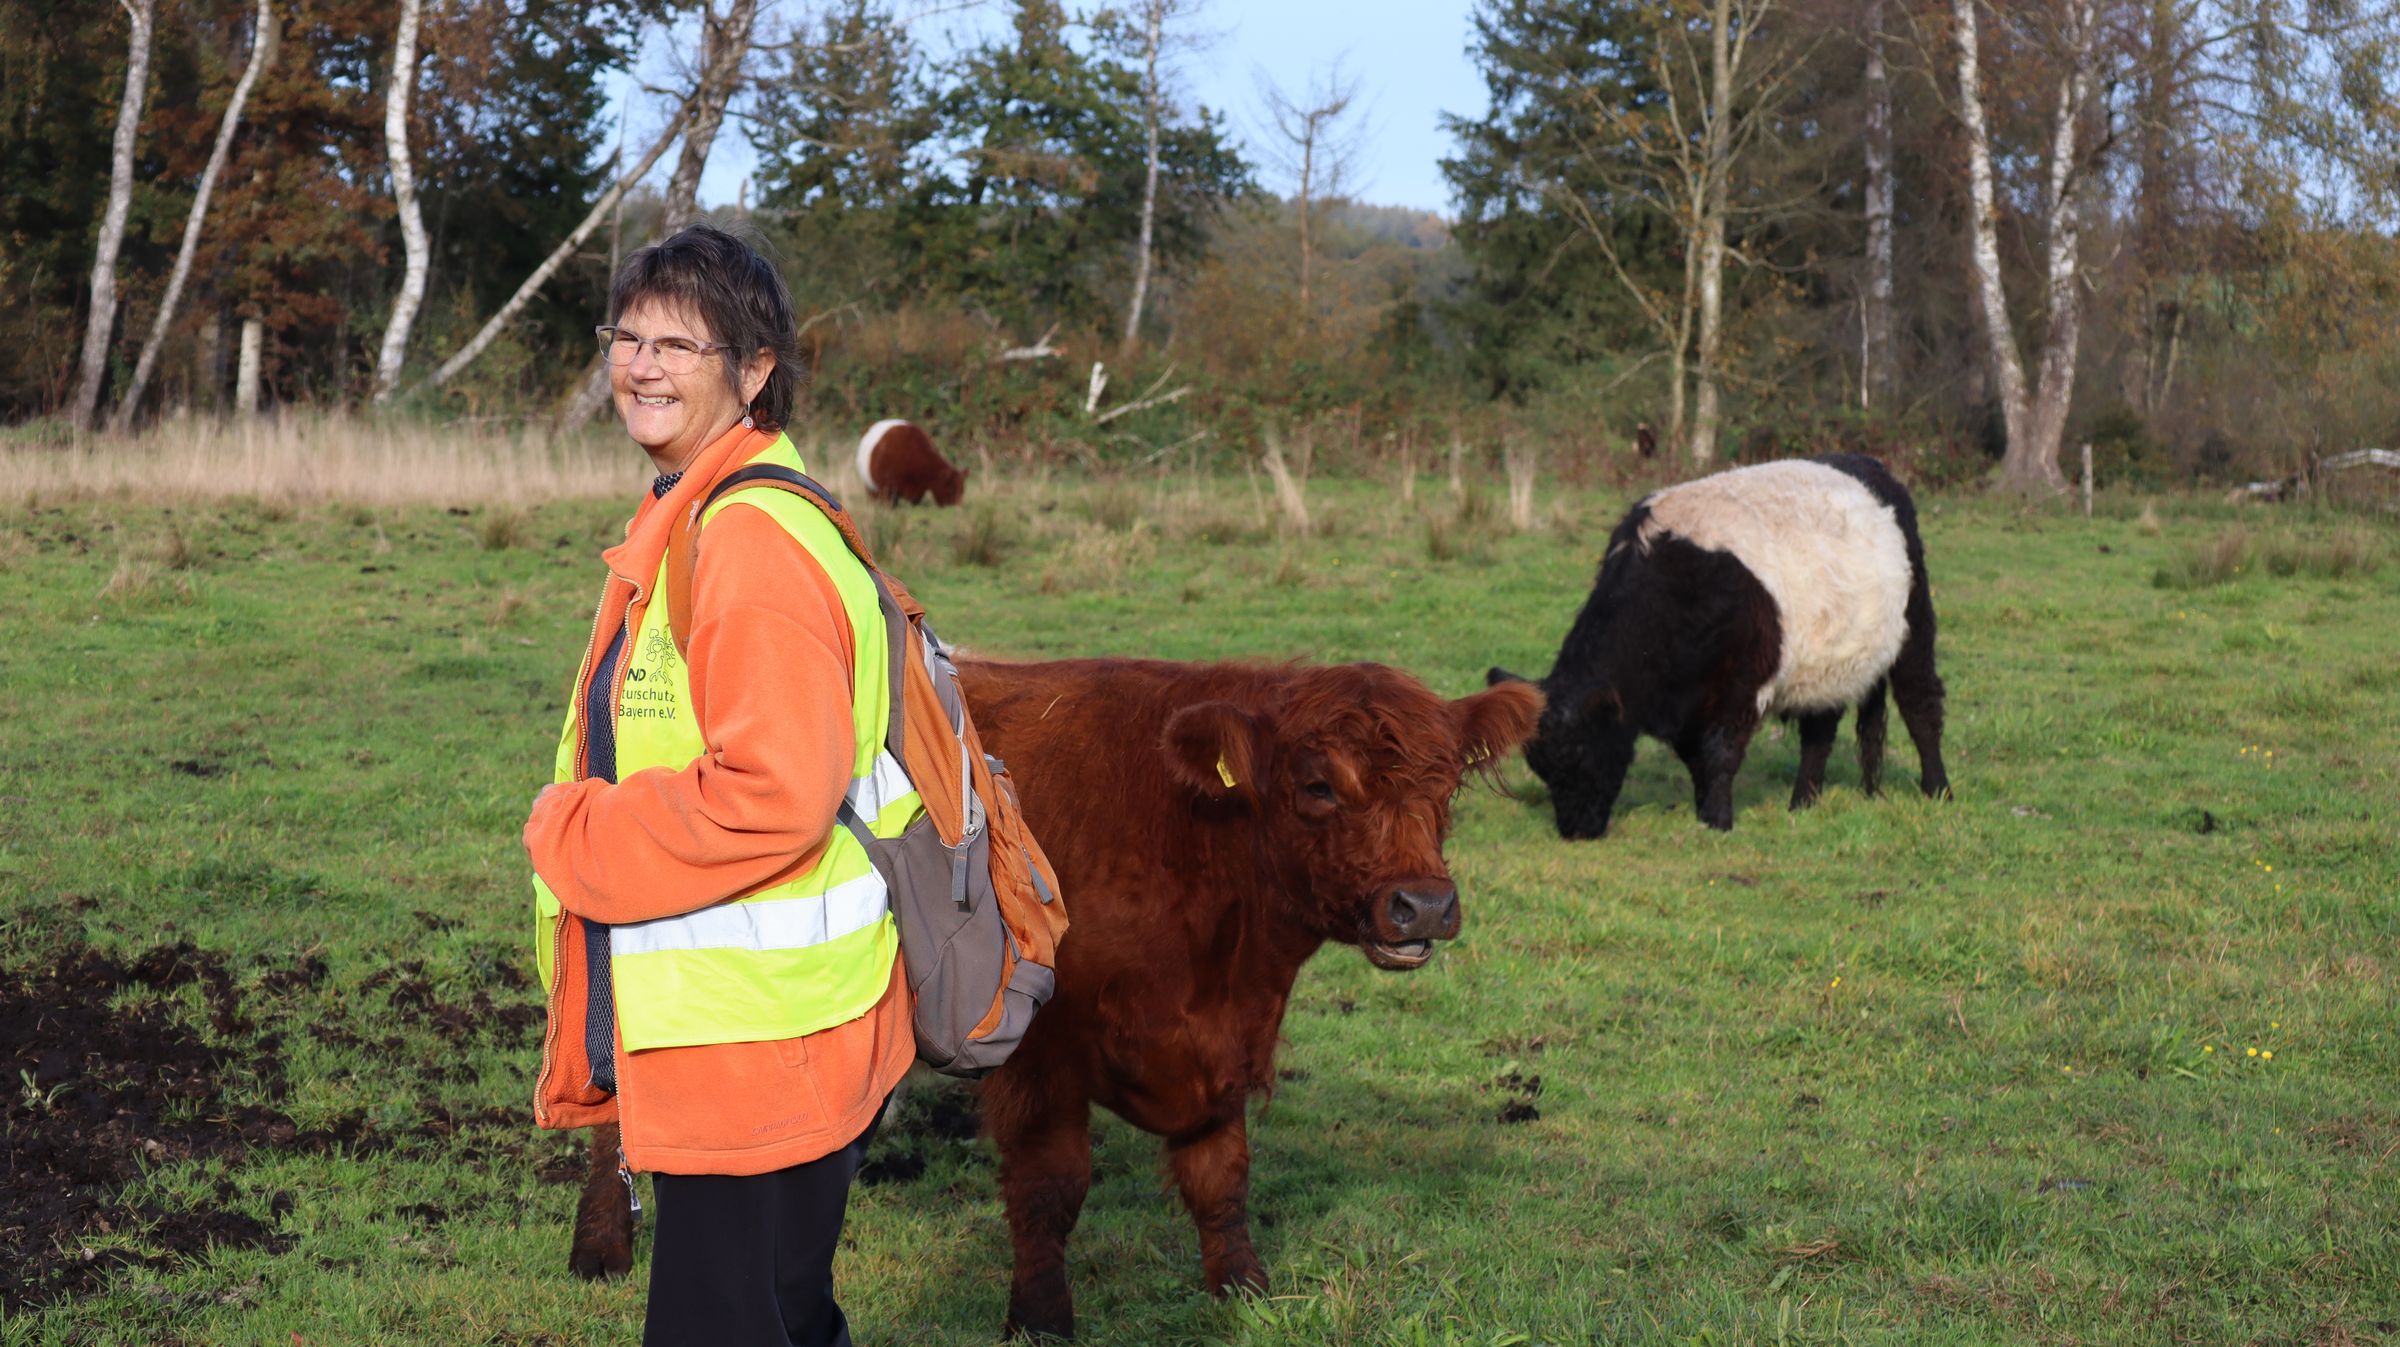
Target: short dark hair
737,292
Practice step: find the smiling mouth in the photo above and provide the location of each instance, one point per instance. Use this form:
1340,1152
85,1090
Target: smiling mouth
1400,956
653,402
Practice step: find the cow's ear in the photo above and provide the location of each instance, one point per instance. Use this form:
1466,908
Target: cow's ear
1212,748
1494,722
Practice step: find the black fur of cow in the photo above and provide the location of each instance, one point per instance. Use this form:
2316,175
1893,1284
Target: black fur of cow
1682,639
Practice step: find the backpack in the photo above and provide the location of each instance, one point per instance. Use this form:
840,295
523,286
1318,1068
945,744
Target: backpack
976,901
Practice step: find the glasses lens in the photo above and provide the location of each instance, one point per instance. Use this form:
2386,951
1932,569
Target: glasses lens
619,346
676,356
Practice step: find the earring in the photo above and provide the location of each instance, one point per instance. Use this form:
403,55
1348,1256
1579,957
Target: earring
748,423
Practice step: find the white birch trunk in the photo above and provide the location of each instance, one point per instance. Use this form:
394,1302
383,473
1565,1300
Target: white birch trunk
1715,183
262,50
498,322
1877,377
246,372
103,318
2033,465
1154,11
404,195
2000,344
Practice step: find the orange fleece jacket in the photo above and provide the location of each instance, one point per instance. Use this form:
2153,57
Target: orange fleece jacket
770,657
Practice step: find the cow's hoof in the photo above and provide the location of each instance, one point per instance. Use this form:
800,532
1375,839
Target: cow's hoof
1240,1276
1026,1322
602,1261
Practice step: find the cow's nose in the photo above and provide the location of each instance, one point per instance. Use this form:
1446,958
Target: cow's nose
1423,912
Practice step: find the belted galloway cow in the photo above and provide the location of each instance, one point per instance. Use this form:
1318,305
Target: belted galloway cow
897,462
1795,588
1212,825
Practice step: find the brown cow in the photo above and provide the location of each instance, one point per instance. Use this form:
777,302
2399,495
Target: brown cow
1213,825
897,462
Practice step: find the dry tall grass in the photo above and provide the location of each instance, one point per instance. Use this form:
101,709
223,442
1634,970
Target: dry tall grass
309,457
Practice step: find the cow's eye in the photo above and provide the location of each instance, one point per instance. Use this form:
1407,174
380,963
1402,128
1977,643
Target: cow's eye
1319,790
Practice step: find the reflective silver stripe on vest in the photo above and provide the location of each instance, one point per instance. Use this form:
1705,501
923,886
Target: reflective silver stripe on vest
871,795
761,924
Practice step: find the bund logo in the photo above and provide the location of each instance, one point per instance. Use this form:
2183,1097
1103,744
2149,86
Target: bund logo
659,651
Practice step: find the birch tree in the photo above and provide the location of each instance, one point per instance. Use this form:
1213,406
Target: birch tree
1153,15
401,88
724,57
1674,152
1733,27
103,317
2036,417
1876,376
507,313
1318,151
262,50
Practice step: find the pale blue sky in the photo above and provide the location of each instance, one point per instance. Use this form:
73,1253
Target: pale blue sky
1409,58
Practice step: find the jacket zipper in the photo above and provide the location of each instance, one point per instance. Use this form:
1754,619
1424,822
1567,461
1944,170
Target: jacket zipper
558,924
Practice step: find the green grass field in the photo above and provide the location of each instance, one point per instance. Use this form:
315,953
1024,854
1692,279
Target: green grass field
2103,1051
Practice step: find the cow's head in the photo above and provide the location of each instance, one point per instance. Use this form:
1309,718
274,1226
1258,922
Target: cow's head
1349,774
1574,732
949,484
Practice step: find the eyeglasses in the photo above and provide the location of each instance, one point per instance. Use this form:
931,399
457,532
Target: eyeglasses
676,355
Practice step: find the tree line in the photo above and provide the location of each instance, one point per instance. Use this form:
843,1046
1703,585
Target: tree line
1731,227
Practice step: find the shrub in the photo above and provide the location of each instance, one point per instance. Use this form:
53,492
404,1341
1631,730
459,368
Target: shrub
503,528
2347,551
2210,563
986,538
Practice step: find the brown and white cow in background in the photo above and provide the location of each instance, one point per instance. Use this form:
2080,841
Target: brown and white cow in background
1213,826
897,462
1794,588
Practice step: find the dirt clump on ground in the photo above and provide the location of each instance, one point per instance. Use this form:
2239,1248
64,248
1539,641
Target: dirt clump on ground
111,1069
97,1093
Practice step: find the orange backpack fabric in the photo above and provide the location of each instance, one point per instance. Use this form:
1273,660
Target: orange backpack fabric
977,903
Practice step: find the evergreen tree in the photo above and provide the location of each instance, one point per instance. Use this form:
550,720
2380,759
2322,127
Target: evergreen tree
1541,298
842,130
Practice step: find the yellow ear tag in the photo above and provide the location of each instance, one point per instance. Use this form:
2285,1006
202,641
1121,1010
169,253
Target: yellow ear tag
1225,774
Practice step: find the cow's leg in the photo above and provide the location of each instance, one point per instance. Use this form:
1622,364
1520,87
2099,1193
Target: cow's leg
1870,729
1045,1147
1918,690
603,1244
1816,745
1715,759
1213,1170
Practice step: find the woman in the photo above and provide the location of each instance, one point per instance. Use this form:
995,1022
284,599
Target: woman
721,967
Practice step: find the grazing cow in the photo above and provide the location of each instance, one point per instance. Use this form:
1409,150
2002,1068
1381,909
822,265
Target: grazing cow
897,462
1212,825
1794,588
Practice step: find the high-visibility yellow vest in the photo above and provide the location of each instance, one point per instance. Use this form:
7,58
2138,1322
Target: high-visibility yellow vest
799,956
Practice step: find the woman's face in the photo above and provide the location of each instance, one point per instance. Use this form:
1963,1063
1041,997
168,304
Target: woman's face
670,413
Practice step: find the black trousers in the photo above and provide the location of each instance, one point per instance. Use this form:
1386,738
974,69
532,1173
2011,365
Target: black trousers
747,1260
